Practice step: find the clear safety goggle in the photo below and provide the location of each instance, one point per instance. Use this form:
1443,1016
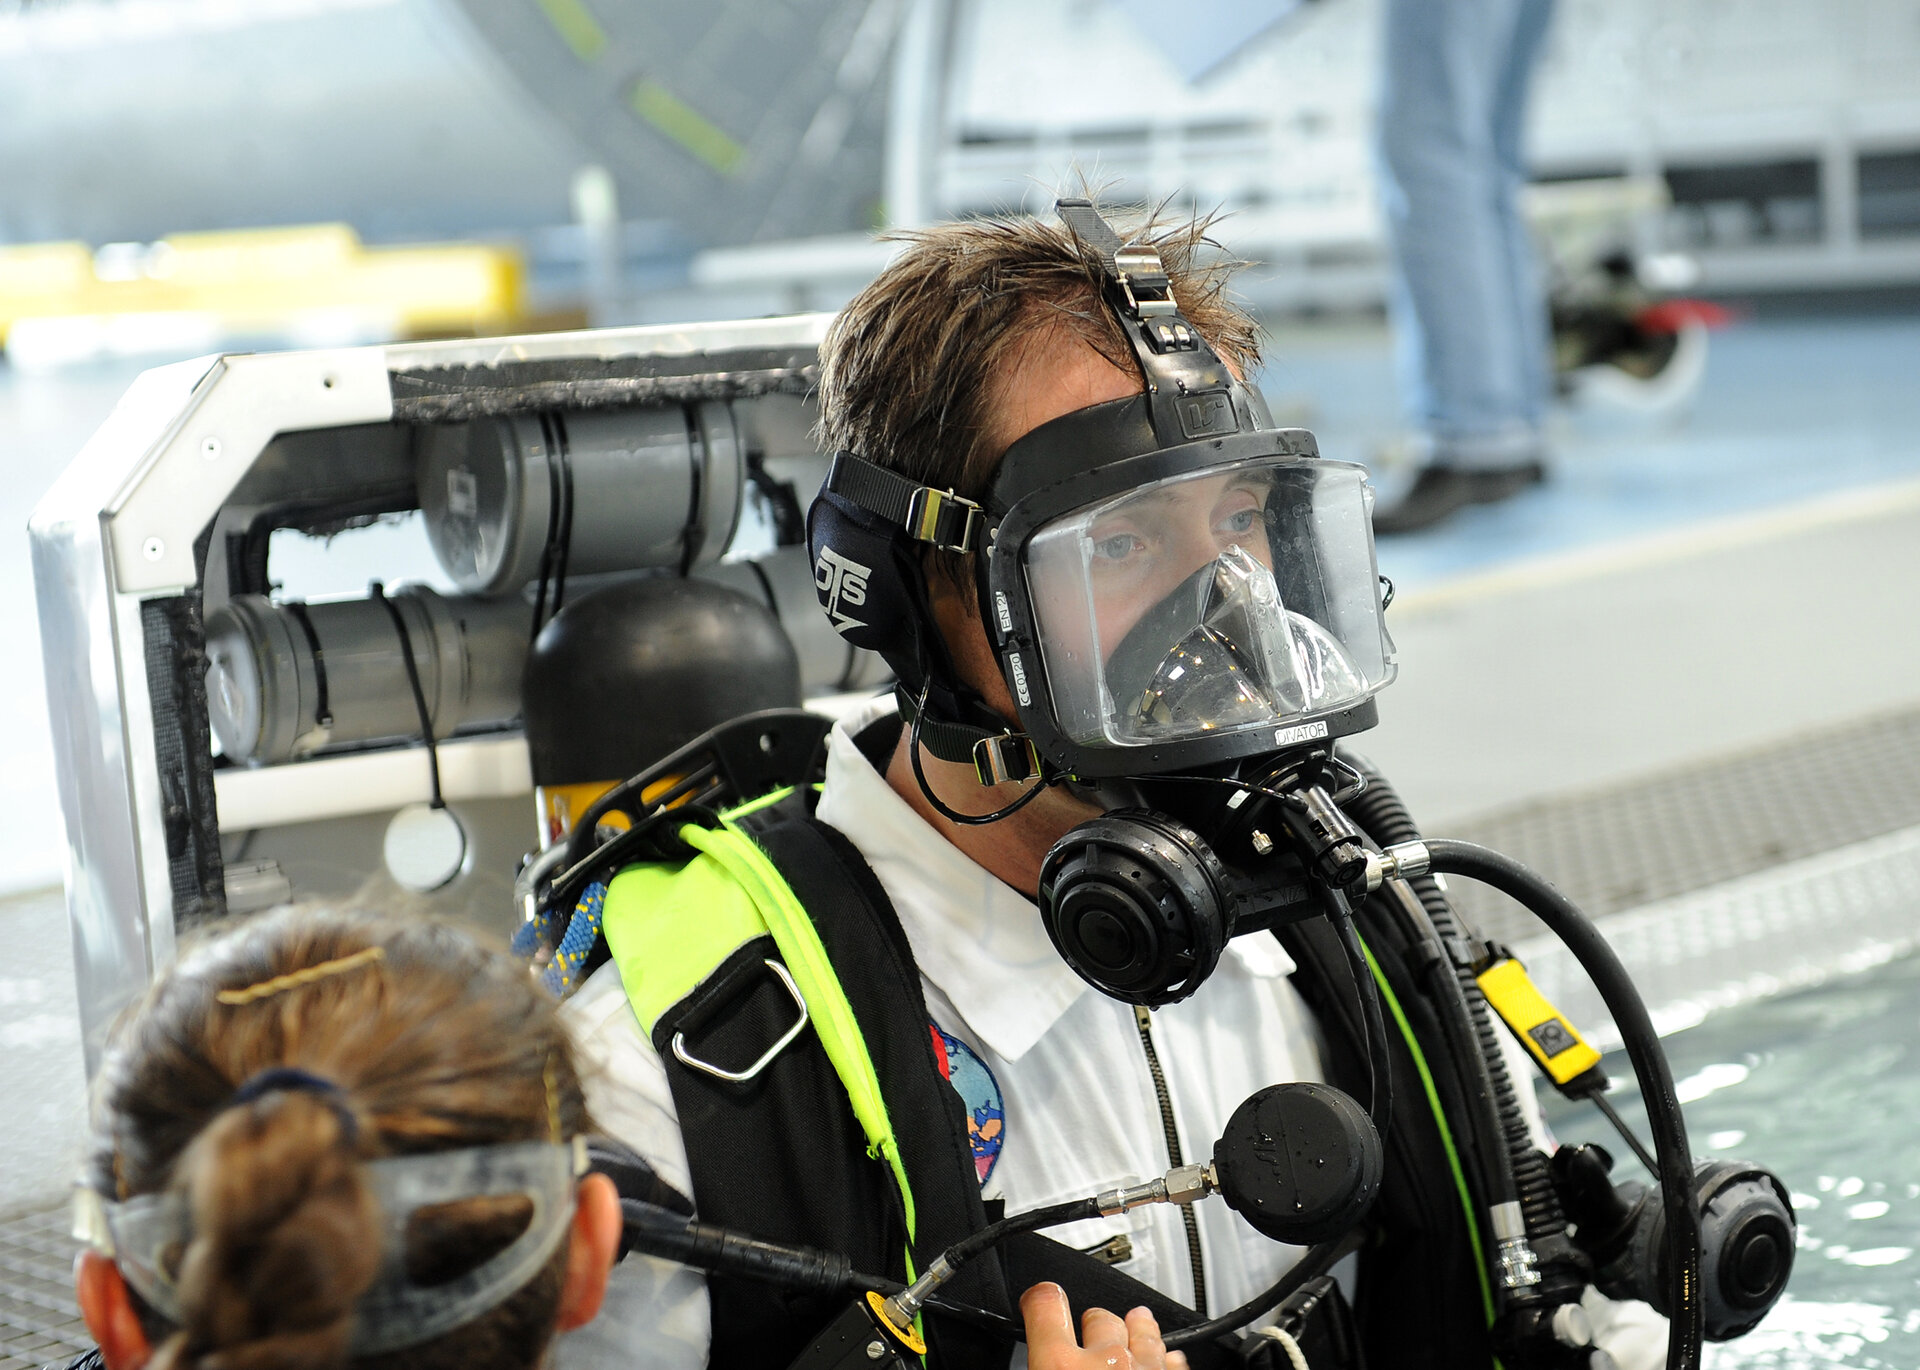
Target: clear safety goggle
147,1237
1236,597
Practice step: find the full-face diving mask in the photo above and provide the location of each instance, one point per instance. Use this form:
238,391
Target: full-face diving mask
145,1237
1208,614
1168,580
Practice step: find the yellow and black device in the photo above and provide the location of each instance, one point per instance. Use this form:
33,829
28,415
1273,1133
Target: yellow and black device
1542,1029
862,1338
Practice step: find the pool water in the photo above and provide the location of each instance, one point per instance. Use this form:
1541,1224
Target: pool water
1823,1088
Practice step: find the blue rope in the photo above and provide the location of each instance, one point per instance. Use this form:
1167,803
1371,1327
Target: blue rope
536,935
562,974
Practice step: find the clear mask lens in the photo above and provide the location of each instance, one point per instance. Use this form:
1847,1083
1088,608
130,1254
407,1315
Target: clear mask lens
1232,598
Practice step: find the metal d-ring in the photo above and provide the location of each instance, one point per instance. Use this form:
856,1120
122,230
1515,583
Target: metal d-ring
687,1058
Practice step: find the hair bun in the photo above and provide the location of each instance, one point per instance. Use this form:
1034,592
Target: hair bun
287,1236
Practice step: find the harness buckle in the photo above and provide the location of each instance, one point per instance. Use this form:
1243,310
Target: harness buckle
1005,759
737,1077
932,514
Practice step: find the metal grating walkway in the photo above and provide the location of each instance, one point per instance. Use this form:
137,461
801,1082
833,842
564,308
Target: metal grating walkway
39,1323
1675,832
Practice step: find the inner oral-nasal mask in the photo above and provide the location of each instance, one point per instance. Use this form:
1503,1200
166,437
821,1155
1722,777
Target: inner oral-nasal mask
1223,651
1238,598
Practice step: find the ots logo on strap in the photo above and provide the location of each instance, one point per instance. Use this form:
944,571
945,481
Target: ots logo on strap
840,580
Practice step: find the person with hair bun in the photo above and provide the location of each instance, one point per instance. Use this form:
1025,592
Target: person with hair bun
329,1139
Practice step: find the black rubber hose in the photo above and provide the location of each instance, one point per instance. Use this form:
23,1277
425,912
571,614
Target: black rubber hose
1315,1263
1379,1062
968,1247
1466,1044
672,1236
1623,1001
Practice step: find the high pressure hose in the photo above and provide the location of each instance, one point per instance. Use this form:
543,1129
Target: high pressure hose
1372,1018
1315,1262
1630,1016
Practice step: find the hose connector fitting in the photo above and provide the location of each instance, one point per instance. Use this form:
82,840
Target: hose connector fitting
901,1309
1401,862
1514,1261
1182,1185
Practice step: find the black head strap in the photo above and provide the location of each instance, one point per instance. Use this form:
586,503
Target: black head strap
868,531
997,758
1192,393
940,518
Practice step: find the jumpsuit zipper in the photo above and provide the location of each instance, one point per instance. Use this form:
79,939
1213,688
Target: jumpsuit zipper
1143,1019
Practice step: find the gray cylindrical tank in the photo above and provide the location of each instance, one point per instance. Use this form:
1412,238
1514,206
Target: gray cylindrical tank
277,691
615,490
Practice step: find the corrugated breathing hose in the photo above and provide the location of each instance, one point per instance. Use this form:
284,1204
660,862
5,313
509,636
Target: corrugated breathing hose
1381,812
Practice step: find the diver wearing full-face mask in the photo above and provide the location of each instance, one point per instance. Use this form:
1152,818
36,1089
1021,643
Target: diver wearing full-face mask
1000,960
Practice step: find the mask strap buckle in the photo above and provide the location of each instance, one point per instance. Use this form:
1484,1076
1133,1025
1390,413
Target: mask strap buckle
940,517
1143,281
948,521
1192,393
1005,759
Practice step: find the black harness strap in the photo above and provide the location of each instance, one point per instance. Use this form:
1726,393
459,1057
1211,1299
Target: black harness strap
783,1158
868,948
1418,1305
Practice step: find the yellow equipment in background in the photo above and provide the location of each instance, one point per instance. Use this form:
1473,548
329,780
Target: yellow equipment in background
303,283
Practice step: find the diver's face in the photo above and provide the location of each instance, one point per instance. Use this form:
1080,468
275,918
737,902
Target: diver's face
1142,552
1141,549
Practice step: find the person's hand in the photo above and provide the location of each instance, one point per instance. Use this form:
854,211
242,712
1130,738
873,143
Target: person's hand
1110,1343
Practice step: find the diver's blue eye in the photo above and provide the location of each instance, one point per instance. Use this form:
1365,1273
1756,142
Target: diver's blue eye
1239,521
1116,546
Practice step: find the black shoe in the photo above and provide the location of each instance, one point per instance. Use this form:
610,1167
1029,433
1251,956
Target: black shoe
1490,487
1443,490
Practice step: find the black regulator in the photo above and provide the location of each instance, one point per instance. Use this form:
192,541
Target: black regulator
1746,1236
1142,900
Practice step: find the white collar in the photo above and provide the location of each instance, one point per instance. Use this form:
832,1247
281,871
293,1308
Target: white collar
974,936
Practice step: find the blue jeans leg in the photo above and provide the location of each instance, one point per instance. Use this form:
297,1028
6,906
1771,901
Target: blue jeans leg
1469,315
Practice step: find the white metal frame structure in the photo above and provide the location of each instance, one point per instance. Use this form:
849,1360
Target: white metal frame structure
114,550
1766,118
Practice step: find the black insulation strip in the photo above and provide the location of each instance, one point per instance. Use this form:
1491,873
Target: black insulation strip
451,394
322,708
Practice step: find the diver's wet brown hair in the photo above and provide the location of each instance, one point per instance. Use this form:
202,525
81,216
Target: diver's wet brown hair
910,370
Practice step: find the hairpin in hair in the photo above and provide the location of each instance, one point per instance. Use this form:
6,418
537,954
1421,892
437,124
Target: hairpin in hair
547,1078
305,976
